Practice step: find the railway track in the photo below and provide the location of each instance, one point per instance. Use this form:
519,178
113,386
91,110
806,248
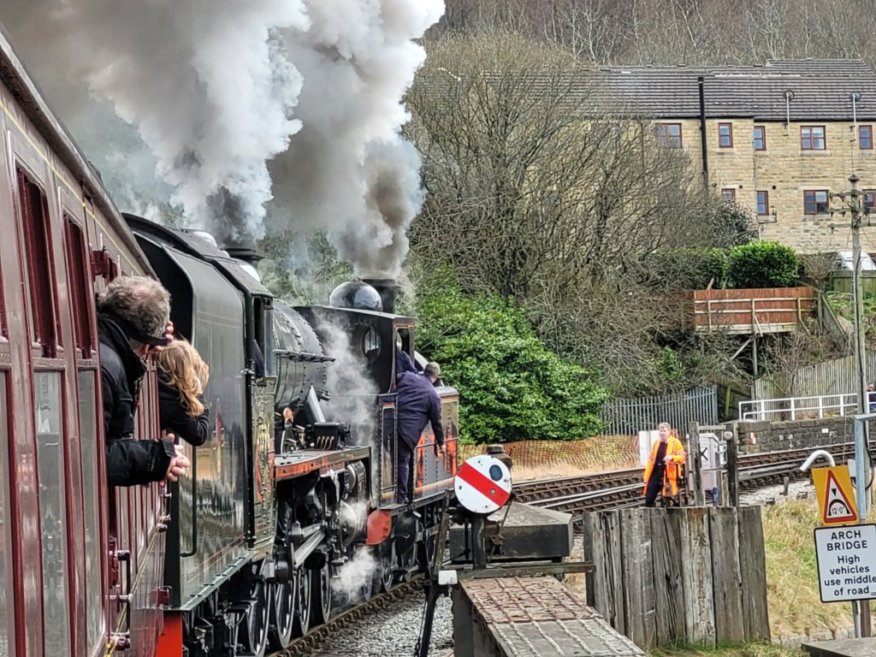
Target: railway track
623,488
312,641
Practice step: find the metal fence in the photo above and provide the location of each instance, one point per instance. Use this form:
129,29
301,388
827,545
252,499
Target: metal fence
629,416
799,408
832,377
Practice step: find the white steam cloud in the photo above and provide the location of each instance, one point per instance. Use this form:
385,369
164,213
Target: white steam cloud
353,393
354,577
228,95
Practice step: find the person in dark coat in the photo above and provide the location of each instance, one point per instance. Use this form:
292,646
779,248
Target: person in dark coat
133,316
417,404
182,378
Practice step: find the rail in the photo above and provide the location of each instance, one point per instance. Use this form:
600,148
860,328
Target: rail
623,488
799,408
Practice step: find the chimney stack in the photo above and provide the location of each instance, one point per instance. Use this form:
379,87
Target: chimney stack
388,290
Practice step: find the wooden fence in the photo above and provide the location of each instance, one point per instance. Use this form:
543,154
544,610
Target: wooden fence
831,377
693,575
629,416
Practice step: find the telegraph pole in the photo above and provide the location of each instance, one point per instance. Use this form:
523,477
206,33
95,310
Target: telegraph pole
851,203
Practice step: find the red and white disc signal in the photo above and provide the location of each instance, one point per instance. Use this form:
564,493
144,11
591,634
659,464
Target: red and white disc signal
483,484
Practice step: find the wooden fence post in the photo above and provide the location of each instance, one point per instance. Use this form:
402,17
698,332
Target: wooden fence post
667,566
726,578
695,458
696,576
638,574
752,563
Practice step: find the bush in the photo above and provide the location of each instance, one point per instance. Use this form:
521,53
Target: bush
762,264
686,269
511,386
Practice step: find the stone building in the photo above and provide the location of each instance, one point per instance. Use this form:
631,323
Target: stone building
776,139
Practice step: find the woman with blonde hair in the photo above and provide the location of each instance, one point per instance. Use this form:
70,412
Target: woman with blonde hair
182,378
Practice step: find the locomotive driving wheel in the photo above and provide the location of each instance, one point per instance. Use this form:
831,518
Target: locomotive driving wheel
387,565
321,592
283,608
301,619
253,633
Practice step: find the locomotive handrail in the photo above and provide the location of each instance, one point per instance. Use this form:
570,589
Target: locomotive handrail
302,357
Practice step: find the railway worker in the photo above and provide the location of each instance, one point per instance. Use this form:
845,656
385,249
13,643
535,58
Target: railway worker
661,470
133,315
182,378
417,405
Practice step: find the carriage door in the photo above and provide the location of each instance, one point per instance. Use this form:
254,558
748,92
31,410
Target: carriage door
47,362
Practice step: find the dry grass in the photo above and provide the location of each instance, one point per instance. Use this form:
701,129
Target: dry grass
795,607
543,459
748,650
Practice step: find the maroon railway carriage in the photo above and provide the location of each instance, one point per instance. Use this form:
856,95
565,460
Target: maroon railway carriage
62,239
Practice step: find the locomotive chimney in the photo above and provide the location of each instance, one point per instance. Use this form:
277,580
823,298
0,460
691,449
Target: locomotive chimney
388,290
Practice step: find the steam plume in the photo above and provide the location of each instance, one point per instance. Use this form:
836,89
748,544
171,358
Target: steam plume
217,88
206,82
349,170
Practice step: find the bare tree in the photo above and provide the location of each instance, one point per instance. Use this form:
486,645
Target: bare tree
535,194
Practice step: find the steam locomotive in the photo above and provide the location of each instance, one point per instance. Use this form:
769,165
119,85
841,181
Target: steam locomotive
248,550
297,507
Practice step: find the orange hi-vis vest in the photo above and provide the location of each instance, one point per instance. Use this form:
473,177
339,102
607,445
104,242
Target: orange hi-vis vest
674,449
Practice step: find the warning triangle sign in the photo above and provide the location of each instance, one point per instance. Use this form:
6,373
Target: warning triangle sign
837,506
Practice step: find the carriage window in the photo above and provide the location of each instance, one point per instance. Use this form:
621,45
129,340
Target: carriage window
50,461
78,280
37,236
91,482
5,532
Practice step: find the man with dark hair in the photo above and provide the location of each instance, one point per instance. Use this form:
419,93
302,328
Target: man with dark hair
417,404
133,317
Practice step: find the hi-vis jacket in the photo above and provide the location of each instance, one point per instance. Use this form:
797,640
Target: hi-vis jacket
674,449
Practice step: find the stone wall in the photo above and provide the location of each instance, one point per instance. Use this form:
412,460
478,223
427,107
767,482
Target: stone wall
774,436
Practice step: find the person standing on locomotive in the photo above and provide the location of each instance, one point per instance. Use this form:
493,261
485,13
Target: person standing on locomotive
182,378
661,470
417,404
133,317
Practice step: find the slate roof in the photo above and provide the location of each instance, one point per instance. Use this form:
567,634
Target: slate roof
819,90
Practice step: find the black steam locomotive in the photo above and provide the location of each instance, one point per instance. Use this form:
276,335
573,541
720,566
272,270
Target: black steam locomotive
280,523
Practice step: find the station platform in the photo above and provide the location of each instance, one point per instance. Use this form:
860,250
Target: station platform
530,616
842,648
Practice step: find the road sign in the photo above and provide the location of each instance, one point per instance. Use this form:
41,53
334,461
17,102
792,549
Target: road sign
483,484
846,562
836,498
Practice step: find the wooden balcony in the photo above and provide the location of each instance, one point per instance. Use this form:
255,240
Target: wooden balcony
749,312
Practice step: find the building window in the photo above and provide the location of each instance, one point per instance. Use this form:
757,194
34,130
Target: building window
725,135
869,199
763,203
815,202
669,135
865,137
812,138
759,138
729,194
